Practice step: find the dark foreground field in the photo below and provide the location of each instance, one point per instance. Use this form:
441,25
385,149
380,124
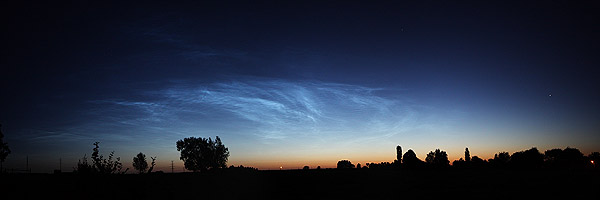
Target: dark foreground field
312,184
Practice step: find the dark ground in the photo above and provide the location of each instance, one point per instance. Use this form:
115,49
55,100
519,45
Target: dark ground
312,184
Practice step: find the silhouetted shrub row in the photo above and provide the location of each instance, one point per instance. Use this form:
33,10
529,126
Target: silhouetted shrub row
569,158
241,168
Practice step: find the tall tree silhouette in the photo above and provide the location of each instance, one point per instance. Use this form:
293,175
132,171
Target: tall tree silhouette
199,154
139,162
467,155
4,150
398,153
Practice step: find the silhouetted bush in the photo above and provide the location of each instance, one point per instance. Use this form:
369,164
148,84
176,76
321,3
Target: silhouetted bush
345,164
200,154
305,168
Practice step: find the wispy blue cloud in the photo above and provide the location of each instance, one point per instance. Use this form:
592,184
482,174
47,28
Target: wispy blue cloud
268,110
276,109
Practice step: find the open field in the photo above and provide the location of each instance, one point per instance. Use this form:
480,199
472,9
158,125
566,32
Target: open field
297,184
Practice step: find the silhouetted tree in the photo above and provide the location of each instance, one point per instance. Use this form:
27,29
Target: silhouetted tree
567,158
305,168
460,163
467,155
152,164
410,160
399,153
358,166
572,158
438,158
4,150
318,167
106,166
528,159
199,154
345,164
477,162
552,155
500,160
139,162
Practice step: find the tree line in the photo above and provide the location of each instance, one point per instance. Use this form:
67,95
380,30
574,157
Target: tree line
204,154
568,158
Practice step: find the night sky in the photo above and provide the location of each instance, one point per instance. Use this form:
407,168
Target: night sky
292,84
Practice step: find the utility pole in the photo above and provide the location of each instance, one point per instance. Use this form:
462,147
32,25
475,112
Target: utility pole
172,171
27,164
60,164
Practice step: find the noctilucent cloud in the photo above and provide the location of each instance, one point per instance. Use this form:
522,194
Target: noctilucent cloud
293,84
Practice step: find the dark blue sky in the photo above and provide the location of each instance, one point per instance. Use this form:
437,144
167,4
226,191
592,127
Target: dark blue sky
290,84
